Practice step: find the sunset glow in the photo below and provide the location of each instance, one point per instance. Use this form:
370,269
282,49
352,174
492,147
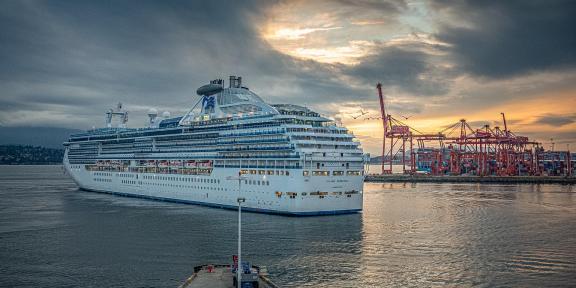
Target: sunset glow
304,30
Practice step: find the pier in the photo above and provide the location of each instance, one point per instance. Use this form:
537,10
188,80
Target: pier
472,179
220,276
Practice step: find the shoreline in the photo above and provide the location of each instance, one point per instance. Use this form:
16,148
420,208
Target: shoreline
32,164
473,179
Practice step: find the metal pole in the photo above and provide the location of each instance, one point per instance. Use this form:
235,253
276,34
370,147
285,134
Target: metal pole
240,200
239,268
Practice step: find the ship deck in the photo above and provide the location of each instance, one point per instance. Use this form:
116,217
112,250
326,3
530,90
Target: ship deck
219,277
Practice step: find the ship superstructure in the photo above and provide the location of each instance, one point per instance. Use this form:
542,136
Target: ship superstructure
281,158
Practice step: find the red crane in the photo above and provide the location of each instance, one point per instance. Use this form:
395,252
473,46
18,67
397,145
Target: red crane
385,126
483,151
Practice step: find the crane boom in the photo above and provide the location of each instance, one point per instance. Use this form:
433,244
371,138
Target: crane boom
384,123
505,126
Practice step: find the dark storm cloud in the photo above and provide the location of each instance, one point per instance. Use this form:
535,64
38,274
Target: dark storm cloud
556,120
91,54
99,40
66,57
510,38
408,69
78,58
390,7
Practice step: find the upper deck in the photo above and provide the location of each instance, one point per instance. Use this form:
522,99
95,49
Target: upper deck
218,126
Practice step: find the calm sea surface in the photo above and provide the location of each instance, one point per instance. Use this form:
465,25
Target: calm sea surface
419,235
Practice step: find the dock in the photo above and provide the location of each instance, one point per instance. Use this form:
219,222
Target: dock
472,179
220,276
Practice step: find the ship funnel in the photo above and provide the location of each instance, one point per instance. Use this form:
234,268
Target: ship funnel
215,86
235,82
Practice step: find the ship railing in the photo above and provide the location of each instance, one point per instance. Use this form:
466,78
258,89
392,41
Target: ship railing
236,149
259,166
254,133
173,132
219,142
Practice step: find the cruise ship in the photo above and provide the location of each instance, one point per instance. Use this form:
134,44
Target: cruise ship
283,158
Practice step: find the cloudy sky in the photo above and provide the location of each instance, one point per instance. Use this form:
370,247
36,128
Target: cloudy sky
63,63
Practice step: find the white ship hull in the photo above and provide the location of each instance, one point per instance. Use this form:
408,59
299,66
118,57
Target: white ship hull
337,196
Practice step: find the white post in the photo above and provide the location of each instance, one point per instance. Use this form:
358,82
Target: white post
239,268
240,200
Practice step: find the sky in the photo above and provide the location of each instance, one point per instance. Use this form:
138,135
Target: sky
64,63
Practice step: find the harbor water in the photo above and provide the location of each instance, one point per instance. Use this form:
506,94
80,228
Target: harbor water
418,235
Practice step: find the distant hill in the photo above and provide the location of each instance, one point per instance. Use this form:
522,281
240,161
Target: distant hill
29,155
48,137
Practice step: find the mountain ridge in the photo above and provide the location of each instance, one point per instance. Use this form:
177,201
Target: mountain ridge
48,137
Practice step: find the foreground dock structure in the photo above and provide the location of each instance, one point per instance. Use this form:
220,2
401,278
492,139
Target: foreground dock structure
221,276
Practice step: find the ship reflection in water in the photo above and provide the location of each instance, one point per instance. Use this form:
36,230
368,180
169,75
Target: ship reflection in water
408,235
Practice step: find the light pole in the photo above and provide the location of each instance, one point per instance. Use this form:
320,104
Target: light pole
239,269
240,201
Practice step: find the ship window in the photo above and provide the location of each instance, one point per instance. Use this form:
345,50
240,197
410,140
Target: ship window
305,173
338,173
287,173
